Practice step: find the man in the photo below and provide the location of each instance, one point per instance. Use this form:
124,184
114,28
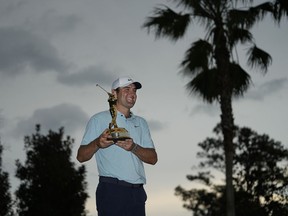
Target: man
120,190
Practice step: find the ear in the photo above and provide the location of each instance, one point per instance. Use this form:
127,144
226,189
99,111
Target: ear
114,92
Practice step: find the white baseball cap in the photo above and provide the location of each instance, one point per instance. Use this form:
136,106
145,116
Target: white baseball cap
125,81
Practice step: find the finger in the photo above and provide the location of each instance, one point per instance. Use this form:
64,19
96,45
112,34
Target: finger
121,144
106,132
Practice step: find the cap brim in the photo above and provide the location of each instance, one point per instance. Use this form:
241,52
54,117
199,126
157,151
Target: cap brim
137,85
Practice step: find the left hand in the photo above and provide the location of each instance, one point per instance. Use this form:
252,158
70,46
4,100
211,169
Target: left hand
127,144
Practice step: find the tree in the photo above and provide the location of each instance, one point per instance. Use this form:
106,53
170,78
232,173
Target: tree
49,182
5,196
260,175
211,63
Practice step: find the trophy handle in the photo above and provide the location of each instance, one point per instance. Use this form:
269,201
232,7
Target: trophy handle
115,132
113,111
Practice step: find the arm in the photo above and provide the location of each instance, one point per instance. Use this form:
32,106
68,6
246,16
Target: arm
147,155
86,152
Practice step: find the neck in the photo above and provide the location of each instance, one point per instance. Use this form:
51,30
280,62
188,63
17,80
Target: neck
125,111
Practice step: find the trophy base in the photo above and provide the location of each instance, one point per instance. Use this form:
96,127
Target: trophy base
119,134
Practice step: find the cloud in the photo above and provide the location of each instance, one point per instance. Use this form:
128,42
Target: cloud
9,7
266,89
21,50
87,76
50,23
32,16
69,116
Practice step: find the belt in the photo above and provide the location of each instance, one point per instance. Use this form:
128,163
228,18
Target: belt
118,182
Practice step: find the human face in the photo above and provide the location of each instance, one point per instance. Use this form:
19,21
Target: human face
126,97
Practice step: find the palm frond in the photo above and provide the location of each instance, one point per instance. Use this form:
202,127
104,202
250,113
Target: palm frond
258,58
199,8
266,7
205,85
247,18
280,9
197,57
239,35
167,23
242,18
240,79
203,11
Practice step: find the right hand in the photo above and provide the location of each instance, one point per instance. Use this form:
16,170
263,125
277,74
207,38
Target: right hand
103,141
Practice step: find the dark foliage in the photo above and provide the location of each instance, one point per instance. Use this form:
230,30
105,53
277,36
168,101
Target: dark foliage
260,177
50,183
5,196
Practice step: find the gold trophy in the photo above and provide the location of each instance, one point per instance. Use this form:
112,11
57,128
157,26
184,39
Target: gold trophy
115,132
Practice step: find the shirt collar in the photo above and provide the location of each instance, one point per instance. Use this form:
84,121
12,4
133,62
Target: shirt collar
121,114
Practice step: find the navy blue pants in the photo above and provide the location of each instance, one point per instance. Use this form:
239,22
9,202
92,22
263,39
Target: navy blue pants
119,200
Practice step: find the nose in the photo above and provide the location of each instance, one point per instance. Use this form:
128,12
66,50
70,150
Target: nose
132,91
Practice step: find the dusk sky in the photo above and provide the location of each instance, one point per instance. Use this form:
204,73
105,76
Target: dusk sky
52,54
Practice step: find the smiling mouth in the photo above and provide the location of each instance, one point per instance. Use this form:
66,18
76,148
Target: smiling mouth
130,100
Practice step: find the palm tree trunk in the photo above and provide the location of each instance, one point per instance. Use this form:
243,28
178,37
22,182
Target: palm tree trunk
227,124
222,57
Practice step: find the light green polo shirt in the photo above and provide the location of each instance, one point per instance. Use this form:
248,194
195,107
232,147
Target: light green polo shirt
115,161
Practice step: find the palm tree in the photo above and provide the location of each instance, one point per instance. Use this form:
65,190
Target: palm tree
212,62
280,9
